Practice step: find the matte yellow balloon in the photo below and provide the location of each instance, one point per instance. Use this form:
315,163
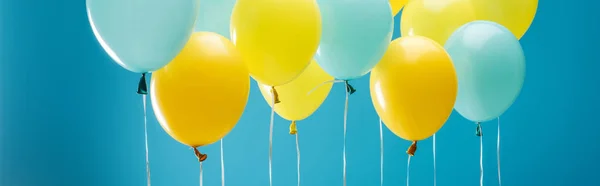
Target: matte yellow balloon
397,5
516,15
296,102
276,38
414,87
435,19
200,95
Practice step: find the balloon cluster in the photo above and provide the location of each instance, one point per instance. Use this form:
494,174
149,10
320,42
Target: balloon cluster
454,54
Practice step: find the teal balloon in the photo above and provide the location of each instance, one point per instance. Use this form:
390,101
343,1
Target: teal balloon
215,16
490,66
355,35
142,35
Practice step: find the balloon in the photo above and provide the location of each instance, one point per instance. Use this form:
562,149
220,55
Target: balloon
215,16
200,96
490,66
356,33
298,99
516,15
277,39
397,5
435,19
414,87
142,36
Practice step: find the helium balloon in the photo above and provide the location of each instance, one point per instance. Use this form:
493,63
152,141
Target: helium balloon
490,65
435,19
515,15
356,33
200,96
414,87
142,36
277,39
298,99
215,16
397,5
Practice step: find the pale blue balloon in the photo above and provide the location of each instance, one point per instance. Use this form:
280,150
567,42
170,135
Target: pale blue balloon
215,16
142,35
356,34
490,66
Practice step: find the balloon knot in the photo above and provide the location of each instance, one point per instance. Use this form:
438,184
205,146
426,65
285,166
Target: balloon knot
478,130
349,88
412,149
275,95
142,86
293,130
201,157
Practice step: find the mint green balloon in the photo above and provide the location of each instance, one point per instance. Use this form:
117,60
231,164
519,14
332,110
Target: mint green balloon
356,34
142,35
490,66
215,16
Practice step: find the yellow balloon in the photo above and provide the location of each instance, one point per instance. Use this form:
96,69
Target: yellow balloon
414,87
277,39
435,19
397,5
516,15
296,102
200,95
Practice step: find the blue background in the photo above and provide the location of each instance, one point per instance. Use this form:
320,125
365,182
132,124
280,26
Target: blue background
69,116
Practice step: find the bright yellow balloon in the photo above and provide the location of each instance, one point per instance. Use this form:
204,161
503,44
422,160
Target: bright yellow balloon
435,19
276,38
516,15
296,102
414,87
200,95
397,5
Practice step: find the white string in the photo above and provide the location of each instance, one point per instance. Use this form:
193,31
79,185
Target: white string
434,167
498,153
330,81
345,122
146,141
222,166
298,156
200,173
408,172
271,138
481,159
381,151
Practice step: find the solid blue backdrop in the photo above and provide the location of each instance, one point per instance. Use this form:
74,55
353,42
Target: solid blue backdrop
69,116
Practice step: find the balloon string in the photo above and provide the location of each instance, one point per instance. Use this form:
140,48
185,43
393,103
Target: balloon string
298,157
345,123
498,153
222,166
271,137
480,158
408,172
434,167
324,83
146,140
381,151
200,173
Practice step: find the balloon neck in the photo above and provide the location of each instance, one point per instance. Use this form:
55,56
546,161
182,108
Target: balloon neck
142,86
478,130
412,149
275,95
349,88
293,129
201,157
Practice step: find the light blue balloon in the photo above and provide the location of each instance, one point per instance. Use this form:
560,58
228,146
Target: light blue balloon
490,66
215,16
356,34
142,35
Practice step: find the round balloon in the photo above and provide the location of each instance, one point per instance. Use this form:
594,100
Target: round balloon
215,16
302,96
200,96
414,87
435,19
142,36
515,15
397,5
276,39
491,69
355,35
